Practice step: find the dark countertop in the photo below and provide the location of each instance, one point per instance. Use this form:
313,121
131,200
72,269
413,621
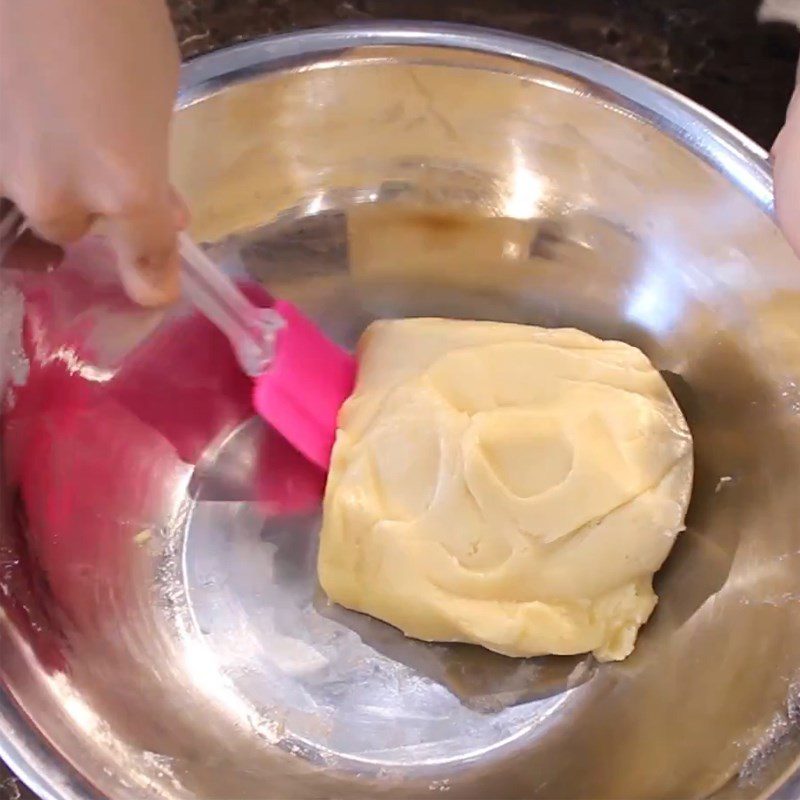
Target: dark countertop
713,51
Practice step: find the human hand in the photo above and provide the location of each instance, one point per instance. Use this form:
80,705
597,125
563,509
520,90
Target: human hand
87,90
786,156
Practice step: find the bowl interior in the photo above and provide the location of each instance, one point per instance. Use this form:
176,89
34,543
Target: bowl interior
163,630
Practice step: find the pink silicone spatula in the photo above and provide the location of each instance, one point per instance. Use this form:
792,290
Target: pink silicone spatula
301,378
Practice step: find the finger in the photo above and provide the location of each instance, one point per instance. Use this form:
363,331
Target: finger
56,214
790,122
60,226
58,217
786,153
146,247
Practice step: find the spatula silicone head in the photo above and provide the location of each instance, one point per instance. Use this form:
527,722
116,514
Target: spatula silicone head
302,391
301,377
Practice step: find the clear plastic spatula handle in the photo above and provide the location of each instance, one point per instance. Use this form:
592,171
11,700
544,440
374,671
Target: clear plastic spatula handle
251,330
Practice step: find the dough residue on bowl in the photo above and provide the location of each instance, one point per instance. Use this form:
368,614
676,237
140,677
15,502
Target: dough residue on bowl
506,485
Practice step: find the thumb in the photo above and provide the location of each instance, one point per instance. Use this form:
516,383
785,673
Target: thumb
147,251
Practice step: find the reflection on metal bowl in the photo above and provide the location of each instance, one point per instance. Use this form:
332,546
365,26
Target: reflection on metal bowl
161,631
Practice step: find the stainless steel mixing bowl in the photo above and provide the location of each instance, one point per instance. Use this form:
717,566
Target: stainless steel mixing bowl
162,634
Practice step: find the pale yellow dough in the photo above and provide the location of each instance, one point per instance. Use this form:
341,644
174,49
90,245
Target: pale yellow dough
505,485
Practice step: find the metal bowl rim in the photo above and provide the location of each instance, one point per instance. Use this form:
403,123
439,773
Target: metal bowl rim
700,131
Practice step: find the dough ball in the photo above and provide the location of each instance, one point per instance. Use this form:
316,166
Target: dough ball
505,485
